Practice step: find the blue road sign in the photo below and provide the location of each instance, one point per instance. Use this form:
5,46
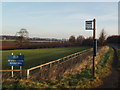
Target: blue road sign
16,60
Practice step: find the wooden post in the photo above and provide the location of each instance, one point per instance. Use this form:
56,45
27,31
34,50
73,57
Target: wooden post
94,38
50,65
21,72
12,69
28,74
40,68
58,62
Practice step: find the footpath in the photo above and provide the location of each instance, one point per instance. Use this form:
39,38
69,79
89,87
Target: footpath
113,80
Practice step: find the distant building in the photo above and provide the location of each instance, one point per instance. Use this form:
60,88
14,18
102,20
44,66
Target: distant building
5,37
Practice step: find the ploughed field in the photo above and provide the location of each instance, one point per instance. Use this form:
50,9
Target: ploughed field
9,45
34,57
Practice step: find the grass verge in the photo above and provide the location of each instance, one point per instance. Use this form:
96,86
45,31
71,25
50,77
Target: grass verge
118,54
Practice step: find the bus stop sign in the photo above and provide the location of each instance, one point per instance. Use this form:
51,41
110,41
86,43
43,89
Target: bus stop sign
89,25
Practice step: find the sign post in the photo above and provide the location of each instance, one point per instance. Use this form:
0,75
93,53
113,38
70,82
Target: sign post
89,26
94,45
16,60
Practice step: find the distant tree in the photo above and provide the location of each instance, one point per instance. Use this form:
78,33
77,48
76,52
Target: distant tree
80,39
102,38
72,39
88,41
22,37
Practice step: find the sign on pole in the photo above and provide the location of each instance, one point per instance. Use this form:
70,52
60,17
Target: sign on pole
16,60
89,25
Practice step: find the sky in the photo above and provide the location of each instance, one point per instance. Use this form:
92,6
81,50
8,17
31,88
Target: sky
59,19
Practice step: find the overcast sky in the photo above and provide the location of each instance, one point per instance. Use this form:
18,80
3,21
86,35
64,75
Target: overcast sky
59,19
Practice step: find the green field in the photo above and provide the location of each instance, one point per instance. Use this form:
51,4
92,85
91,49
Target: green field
34,57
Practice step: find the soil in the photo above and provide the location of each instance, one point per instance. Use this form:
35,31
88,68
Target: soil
113,80
31,45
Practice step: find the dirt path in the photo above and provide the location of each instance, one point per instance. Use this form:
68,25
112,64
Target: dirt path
113,80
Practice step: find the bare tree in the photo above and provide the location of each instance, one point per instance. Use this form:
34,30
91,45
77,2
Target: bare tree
80,39
88,41
22,37
72,39
102,38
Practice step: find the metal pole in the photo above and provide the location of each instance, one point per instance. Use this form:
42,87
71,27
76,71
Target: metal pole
12,68
94,38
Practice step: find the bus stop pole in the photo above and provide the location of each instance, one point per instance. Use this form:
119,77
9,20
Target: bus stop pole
94,47
20,70
12,69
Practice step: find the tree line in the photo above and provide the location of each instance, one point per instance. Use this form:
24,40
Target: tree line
72,41
101,41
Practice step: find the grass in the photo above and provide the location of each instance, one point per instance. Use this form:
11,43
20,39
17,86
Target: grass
85,79
34,57
76,81
104,68
118,54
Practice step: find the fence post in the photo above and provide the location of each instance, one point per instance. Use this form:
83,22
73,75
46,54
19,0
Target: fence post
12,70
58,62
40,68
28,74
50,65
21,72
